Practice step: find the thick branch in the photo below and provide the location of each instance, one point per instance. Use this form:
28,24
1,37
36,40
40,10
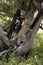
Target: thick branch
4,37
4,52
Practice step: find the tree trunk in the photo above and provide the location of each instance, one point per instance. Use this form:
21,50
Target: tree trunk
24,48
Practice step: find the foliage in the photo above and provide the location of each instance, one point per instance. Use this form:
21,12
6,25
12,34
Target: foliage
9,7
